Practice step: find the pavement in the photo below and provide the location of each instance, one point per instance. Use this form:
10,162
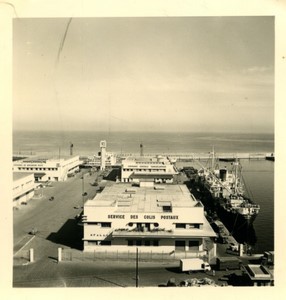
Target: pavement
49,273
56,227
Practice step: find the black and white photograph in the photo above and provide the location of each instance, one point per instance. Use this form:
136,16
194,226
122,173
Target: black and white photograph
143,150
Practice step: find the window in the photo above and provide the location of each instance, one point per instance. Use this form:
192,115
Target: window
138,243
92,243
193,245
105,243
130,243
156,243
197,226
147,243
180,225
167,208
106,224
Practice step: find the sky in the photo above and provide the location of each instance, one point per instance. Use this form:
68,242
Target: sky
202,74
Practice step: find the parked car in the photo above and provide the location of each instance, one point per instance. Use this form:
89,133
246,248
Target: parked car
233,247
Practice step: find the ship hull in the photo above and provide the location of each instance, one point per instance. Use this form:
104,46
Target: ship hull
233,218
240,226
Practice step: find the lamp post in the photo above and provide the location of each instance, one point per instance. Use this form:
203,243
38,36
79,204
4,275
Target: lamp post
137,270
83,192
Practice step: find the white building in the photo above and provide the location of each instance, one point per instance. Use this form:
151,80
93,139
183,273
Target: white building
95,161
102,145
162,219
23,187
50,169
157,169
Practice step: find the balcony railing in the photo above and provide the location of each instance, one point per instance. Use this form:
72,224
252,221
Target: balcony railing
138,232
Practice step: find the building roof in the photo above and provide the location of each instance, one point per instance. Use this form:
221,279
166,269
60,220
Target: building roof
128,198
40,174
20,175
157,160
258,272
46,158
142,175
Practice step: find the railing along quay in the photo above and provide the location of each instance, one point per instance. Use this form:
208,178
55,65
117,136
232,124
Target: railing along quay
197,156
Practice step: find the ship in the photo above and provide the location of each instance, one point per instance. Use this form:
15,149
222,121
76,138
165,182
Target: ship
227,193
270,157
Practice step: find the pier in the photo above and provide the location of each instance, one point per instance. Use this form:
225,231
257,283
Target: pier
199,156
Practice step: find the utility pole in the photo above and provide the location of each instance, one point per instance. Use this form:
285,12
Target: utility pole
83,193
137,270
71,148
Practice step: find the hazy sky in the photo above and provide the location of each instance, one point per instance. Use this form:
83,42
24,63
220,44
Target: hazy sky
147,74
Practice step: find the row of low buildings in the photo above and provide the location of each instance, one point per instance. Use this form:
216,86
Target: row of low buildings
143,209
48,169
28,172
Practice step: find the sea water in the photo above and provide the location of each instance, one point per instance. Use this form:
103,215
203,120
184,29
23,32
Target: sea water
258,174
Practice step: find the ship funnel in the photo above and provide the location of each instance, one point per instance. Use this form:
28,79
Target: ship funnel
222,174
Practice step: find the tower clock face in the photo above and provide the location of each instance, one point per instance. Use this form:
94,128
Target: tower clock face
103,144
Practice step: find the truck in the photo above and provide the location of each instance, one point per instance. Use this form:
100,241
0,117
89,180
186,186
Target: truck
228,263
193,265
268,258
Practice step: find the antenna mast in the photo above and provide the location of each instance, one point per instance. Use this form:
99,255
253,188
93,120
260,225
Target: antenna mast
71,148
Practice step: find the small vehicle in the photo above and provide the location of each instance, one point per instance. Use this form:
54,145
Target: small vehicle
194,265
233,247
268,258
228,263
171,282
33,231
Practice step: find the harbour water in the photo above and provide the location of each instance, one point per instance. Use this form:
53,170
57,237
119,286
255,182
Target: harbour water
87,142
258,174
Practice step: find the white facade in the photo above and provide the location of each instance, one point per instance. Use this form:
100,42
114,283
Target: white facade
102,154
95,161
55,169
23,187
158,169
160,219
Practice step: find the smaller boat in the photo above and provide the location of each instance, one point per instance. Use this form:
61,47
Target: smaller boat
227,159
270,157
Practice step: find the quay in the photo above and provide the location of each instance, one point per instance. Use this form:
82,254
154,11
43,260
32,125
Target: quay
198,156
180,157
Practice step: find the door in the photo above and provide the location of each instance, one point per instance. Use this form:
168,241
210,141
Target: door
180,245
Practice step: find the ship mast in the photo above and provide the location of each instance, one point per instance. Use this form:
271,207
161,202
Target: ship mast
236,176
213,159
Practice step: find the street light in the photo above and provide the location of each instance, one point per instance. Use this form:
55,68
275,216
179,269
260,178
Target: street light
137,269
83,192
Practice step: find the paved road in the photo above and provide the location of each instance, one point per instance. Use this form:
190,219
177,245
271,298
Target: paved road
102,274
48,217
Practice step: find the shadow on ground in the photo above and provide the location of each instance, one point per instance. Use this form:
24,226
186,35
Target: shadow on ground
234,279
113,175
174,269
70,235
